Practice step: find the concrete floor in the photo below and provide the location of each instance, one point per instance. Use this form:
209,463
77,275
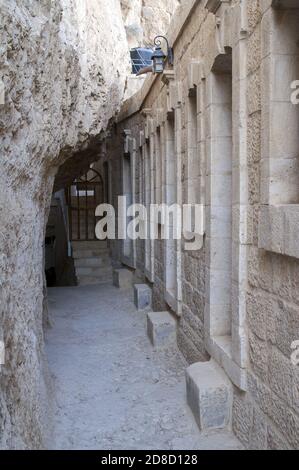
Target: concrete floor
113,390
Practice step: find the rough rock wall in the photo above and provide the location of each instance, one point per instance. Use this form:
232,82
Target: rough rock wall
63,68
144,19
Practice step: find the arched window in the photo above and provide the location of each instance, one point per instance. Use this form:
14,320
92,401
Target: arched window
84,195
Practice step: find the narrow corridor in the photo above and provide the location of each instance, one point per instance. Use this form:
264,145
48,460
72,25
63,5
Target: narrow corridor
113,390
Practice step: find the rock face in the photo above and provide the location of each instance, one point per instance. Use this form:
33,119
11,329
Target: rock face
145,19
64,70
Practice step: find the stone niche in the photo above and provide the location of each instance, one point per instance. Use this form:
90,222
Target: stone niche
279,214
226,195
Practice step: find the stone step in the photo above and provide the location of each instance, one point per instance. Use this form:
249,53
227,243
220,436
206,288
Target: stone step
89,280
89,245
161,328
142,296
209,395
91,228
93,271
79,254
93,261
84,235
122,278
91,220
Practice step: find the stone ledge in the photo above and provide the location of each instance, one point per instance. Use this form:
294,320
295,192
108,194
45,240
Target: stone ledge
149,275
161,328
170,299
279,228
209,395
122,278
219,349
129,260
142,296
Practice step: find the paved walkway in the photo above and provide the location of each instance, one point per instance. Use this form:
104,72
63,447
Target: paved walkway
113,390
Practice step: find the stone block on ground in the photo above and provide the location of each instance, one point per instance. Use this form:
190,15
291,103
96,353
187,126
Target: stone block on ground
161,328
209,395
122,278
142,296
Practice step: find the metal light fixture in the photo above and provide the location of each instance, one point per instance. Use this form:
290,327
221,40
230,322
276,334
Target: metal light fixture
159,57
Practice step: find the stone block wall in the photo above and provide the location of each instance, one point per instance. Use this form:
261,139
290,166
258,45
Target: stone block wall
237,301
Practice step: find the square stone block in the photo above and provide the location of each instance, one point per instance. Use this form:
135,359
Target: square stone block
209,395
161,328
122,278
142,296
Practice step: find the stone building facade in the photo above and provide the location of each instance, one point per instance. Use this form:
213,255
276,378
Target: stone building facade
219,129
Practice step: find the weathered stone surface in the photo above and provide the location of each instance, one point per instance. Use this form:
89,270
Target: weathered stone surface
259,431
113,378
209,395
145,19
142,296
161,328
274,441
251,279
238,295
281,375
258,354
242,417
58,64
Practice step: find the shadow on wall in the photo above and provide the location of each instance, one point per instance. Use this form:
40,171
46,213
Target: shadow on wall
59,266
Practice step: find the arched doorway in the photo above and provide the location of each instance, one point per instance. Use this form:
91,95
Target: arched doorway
84,195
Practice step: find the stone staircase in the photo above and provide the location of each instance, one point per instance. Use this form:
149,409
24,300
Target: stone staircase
92,262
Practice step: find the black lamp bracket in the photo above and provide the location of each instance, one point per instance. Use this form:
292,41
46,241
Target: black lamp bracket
157,43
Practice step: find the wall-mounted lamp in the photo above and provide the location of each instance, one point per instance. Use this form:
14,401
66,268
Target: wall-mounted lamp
159,57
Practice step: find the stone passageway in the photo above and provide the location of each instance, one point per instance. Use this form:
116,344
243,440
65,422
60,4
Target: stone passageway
112,389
